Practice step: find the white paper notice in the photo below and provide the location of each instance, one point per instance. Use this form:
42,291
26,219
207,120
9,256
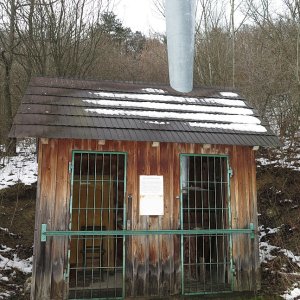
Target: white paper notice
151,195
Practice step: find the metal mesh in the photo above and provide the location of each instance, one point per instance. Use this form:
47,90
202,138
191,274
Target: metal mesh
205,258
96,262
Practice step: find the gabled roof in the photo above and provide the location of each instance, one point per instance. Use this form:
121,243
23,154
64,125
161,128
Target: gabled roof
105,110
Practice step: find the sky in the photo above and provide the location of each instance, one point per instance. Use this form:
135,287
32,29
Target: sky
140,15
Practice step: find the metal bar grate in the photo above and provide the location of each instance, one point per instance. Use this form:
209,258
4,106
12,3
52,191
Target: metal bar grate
96,262
206,261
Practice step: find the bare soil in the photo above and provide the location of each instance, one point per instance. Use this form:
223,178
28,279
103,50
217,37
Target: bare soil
17,212
279,207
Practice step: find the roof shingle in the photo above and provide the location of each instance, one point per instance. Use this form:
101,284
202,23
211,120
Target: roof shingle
60,108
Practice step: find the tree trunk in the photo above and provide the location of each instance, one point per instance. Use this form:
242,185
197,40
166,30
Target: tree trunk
7,59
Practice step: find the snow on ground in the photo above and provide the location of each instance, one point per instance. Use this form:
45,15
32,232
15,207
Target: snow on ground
7,231
9,262
265,248
5,295
265,254
4,249
23,265
281,162
295,259
292,294
19,168
287,156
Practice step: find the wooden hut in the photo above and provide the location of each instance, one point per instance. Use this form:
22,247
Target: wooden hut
142,191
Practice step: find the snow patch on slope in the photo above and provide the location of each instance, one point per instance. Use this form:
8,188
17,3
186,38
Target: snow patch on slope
19,168
9,263
287,156
292,294
23,265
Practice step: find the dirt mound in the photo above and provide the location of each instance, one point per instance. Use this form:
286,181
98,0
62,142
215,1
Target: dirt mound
17,211
279,208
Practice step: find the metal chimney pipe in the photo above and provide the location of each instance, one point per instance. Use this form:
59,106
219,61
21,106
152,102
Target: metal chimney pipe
180,18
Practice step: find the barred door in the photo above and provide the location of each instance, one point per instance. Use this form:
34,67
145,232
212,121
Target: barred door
205,211
96,262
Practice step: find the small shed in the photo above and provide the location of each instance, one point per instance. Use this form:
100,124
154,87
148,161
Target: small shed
142,191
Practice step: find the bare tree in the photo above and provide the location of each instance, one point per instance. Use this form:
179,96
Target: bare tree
232,11
276,73
160,7
212,43
8,44
39,37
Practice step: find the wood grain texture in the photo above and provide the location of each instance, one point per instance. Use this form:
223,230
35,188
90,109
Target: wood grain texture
59,223
37,232
244,212
153,263
44,258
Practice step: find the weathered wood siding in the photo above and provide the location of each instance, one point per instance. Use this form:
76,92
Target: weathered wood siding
244,212
152,263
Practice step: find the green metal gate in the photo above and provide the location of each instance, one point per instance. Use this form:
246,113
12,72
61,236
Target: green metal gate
205,211
96,262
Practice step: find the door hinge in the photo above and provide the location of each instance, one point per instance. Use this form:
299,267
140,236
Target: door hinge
230,172
70,167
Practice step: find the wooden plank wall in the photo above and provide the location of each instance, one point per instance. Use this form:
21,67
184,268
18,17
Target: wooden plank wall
152,263
244,212
52,208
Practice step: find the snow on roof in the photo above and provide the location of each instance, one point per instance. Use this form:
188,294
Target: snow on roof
169,98
156,122
237,127
24,265
178,116
229,94
177,107
210,112
156,91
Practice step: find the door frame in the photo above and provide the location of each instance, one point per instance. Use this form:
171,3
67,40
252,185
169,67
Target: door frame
229,226
109,233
